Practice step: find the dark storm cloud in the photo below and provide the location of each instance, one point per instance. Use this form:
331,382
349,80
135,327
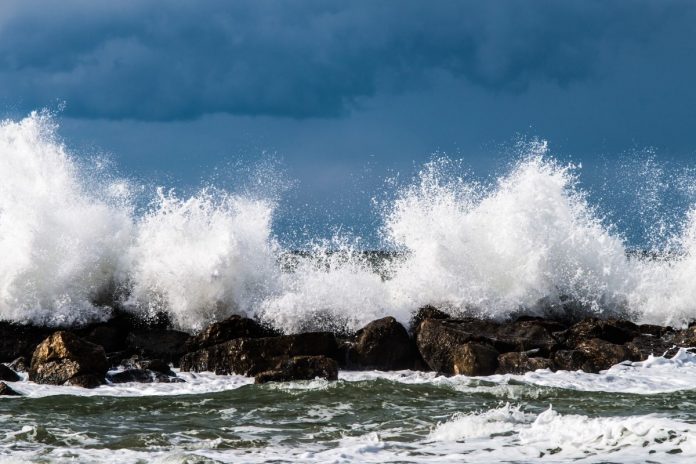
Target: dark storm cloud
168,60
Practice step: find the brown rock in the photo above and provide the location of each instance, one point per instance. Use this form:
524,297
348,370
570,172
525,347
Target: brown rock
383,344
613,331
5,390
438,339
300,368
474,359
426,312
63,356
250,356
594,355
519,363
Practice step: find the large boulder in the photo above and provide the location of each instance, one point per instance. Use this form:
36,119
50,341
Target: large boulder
233,327
426,312
437,339
250,356
300,368
63,356
168,345
383,344
594,355
614,331
8,374
474,359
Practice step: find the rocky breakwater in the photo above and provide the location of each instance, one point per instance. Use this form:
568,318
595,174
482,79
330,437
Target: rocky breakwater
482,347
127,350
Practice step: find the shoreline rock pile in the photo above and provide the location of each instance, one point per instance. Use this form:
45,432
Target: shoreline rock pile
434,342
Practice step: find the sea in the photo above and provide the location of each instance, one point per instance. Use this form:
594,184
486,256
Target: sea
76,239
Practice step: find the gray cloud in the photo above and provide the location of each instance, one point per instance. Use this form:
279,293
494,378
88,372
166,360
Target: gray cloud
157,60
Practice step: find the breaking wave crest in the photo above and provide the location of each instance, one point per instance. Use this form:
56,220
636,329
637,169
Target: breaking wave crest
71,242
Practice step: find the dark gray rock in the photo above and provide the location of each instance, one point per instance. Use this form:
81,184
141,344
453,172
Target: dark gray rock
8,374
231,328
86,381
383,344
142,376
19,340
300,368
168,345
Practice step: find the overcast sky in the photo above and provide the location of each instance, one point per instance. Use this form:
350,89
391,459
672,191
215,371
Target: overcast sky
345,93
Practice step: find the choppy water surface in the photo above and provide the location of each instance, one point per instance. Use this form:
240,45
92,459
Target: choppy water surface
632,413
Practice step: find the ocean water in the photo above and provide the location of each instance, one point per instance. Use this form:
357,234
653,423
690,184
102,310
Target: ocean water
634,412
75,238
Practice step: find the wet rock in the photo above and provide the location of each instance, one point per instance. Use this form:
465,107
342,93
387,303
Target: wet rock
8,374
524,335
570,360
437,339
110,338
594,355
250,356
86,381
474,359
426,312
142,376
229,329
19,364
157,365
62,356
168,345
519,363
686,338
5,390
19,340
383,344
647,345
300,368
613,331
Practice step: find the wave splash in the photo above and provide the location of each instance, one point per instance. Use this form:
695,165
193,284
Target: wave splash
531,241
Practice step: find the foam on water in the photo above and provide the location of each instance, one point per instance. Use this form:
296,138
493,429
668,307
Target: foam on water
524,242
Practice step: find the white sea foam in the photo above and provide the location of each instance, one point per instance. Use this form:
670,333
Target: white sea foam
203,258
509,434
525,242
60,246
